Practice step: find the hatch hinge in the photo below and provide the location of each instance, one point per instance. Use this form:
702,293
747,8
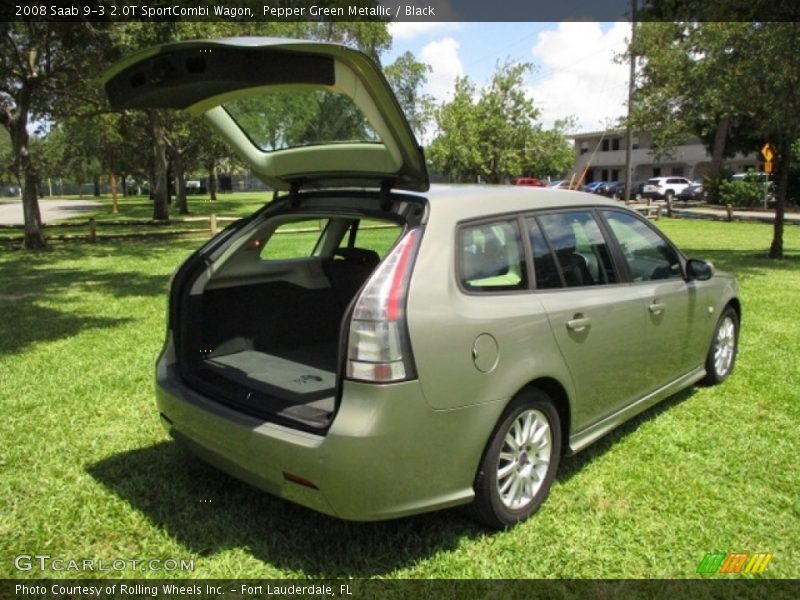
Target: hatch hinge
294,198
386,201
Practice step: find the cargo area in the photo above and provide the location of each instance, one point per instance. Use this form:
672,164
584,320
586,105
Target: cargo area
265,335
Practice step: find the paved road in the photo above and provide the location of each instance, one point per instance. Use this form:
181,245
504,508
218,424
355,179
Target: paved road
765,216
51,210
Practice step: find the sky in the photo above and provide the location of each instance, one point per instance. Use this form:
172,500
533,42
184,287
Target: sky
574,71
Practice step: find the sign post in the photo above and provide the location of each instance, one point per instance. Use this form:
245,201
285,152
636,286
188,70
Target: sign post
768,152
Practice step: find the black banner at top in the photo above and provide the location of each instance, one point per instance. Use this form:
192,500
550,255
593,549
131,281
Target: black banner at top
401,10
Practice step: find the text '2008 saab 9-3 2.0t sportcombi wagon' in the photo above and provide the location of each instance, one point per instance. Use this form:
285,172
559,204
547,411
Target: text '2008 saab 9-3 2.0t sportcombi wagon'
372,348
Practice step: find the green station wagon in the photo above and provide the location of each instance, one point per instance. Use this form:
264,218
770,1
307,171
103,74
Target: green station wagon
371,347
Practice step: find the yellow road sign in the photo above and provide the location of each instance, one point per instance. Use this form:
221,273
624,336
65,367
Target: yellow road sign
768,152
768,167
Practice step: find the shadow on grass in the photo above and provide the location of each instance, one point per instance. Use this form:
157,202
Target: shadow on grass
24,322
208,511
39,291
571,465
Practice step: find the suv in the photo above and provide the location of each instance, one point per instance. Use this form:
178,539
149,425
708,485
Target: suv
371,348
665,188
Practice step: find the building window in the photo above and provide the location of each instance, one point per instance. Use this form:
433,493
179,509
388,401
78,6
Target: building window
615,144
584,147
656,171
605,146
677,171
615,175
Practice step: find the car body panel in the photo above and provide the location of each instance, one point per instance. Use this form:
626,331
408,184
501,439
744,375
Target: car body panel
388,454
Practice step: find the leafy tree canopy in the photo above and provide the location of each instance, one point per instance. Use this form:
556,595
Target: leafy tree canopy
493,133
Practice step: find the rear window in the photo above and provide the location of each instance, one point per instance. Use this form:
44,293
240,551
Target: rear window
281,120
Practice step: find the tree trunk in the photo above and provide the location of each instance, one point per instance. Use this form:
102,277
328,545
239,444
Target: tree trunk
784,154
180,184
159,184
112,185
212,181
34,239
717,156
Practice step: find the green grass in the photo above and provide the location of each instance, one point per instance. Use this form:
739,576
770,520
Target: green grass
87,471
134,211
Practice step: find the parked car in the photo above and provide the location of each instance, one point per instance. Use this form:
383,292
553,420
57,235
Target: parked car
616,190
693,192
560,184
665,188
596,187
371,347
529,181
637,190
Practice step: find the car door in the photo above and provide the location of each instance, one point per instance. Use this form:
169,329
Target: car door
674,308
598,320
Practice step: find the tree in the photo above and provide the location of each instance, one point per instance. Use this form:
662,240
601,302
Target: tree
493,134
42,65
407,76
714,79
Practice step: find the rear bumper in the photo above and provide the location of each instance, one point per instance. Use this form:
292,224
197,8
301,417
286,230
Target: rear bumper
387,453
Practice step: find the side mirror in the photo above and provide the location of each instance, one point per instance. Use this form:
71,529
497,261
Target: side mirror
699,270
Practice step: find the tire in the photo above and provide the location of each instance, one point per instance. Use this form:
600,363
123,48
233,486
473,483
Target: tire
721,356
512,483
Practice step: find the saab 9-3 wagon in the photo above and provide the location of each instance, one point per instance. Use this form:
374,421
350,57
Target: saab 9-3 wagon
371,347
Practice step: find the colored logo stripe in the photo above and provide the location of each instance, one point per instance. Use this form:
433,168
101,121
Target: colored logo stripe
734,562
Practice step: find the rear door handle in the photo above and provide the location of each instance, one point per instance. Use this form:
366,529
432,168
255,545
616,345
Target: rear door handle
578,323
656,308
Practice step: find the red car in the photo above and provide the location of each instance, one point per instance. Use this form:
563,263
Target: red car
529,181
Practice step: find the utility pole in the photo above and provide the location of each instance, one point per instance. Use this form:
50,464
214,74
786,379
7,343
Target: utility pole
629,133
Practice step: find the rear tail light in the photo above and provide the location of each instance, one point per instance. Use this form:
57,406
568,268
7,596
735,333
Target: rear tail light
378,349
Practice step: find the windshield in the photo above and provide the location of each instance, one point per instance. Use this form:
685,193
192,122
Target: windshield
281,120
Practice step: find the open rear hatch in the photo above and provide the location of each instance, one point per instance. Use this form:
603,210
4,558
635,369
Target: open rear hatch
299,113
265,332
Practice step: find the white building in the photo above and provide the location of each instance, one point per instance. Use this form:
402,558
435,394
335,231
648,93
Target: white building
601,156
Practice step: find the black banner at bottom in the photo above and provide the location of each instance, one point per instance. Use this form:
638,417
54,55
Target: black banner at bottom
358,589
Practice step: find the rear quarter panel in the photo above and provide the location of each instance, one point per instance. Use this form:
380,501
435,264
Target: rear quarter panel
444,323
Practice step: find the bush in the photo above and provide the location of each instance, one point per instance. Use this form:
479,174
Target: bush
741,193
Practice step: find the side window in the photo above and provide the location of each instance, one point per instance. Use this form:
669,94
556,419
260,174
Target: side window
492,257
369,236
648,254
295,239
580,249
544,265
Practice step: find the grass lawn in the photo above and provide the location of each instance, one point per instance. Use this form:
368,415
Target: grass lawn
135,211
86,470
